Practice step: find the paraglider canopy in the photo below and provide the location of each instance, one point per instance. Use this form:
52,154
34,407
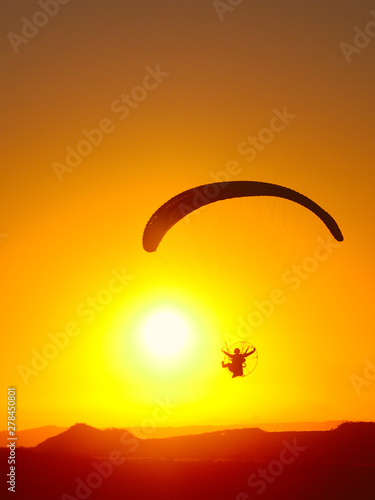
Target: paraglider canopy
186,202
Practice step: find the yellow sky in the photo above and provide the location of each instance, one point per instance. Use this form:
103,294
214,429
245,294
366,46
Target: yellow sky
71,228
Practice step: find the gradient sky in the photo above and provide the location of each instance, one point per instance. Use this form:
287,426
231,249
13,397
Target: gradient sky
61,242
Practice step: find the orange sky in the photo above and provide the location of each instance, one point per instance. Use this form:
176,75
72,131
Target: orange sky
199,87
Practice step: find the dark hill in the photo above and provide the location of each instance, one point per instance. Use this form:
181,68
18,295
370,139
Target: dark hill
30,438
230,465
82,439
349,443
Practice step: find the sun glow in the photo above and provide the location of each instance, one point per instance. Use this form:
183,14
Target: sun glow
166,333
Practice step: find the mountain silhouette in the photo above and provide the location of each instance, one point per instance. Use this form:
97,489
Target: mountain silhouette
349,443
32,437
82,439
83,462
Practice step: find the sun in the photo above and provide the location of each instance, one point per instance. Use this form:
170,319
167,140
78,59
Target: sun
165,333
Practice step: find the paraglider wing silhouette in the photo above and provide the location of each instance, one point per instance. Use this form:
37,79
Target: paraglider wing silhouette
186,202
